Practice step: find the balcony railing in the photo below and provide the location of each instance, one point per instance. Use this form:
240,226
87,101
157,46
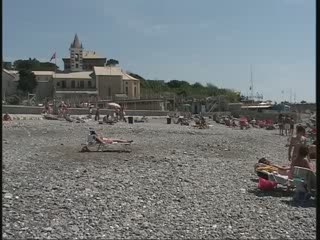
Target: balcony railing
76,89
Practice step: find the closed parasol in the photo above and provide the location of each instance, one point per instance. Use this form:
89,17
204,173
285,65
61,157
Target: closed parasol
115,105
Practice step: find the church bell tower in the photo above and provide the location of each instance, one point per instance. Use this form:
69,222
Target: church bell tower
76,55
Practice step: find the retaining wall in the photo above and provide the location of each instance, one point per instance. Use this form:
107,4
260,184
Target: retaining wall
15,109
257,115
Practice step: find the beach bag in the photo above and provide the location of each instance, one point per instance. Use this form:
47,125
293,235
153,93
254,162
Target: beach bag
266,185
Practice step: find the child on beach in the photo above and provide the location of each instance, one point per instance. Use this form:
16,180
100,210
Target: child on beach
300,161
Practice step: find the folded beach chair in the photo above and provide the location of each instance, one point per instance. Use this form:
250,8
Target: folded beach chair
304,179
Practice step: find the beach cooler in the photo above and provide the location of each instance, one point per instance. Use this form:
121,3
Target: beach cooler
243,122
269,122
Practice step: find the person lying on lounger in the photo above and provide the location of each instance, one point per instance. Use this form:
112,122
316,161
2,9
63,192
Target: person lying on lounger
264,164
101,139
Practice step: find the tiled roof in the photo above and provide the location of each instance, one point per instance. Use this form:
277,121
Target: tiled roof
128,77
8,72
76,75
12,73
112,71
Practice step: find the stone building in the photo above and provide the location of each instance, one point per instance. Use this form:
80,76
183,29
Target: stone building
9,83
80,59
112,81
45,86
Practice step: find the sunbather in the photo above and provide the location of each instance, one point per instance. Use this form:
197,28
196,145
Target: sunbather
265,163
7,117
108,140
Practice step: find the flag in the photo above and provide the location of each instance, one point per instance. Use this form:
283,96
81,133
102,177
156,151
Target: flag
53,57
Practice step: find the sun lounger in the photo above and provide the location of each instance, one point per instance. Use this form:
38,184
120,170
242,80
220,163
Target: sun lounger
303,179
98,145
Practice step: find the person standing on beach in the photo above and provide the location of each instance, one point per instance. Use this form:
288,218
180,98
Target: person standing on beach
97,116
291,126
287,125
280,123
90,111
296,142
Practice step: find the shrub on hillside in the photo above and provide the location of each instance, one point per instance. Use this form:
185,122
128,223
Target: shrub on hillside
13,100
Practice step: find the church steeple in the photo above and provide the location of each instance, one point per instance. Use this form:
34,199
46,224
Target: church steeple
76,42
76,55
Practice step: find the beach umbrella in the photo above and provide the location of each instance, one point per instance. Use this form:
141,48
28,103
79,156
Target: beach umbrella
116,105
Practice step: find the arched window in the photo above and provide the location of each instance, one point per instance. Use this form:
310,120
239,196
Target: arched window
73,84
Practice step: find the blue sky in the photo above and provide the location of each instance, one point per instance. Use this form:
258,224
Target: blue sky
207,41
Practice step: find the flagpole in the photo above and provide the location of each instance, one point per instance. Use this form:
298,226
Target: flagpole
54,83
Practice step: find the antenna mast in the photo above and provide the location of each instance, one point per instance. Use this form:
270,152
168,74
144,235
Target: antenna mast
251,82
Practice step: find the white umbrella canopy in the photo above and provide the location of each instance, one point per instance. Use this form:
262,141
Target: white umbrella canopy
115,105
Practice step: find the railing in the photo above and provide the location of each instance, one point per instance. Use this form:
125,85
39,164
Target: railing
76,89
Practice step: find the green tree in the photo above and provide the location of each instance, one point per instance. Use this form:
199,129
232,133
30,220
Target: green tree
197,85
34,65
212,90
27,81
178,84
112,62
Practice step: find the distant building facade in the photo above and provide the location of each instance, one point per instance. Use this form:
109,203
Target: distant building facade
85,76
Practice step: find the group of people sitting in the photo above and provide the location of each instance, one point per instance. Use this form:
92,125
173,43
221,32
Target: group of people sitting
118,115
